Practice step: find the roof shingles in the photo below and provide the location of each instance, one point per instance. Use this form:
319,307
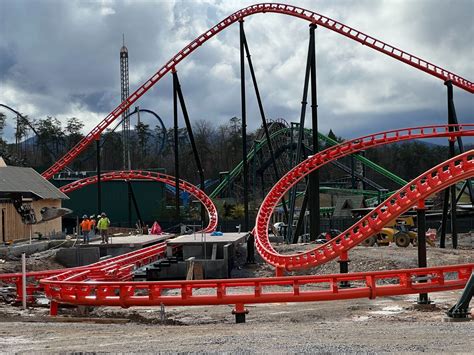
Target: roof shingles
18,179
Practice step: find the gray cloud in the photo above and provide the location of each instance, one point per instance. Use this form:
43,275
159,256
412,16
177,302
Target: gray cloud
60,58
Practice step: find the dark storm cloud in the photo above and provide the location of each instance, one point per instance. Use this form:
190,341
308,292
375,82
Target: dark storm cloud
60,58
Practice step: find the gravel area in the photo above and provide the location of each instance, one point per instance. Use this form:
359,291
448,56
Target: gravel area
378,326
371,326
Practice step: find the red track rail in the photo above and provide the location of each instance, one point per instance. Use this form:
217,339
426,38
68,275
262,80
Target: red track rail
290,10
257,290
102,283
141,256
432,181
154,176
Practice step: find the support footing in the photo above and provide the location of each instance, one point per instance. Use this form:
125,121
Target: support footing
53,309
240,311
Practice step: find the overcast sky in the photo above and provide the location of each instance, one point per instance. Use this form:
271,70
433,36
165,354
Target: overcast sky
61,58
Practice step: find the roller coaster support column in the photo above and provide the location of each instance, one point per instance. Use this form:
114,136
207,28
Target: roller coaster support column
344,268
421,241
99,187
135,204
290,237
240,311
460,311
53,308
314,202
176,147
299,224
264,120
250,240
452,119
189,128
130,225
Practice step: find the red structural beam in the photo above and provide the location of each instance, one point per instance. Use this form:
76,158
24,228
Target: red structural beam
137,257
290,10
153,176
258,290
436,179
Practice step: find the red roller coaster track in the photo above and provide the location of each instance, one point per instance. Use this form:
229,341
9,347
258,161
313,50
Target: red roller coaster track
154,176
239,15
107,282
141,256
89,288
434,180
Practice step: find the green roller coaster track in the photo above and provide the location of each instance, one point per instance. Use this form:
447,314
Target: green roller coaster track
259,145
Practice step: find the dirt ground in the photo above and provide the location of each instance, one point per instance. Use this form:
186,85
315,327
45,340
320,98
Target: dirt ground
374,326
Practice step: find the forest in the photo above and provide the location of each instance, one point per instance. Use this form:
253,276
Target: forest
40,142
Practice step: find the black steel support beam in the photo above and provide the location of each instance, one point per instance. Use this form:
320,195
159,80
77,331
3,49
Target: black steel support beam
421,241
176,148
264,120
130,225
314,202
250,239
191,139
244,126
99,186
461,308
444,219
299,224
135,204
290,236
452,120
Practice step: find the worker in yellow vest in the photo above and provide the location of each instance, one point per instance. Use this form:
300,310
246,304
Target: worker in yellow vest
103,226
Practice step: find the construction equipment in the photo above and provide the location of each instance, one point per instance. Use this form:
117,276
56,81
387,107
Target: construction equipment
402,231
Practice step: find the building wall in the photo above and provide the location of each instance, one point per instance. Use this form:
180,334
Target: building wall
150,196
15,229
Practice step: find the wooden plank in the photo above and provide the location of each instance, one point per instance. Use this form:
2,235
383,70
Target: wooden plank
190,273
198,271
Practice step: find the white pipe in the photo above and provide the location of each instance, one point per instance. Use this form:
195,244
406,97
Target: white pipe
23,279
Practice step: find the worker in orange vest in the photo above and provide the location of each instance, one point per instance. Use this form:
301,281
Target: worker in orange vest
85,229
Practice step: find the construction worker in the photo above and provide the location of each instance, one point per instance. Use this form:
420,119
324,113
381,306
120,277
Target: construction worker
103,226
93,226
85,229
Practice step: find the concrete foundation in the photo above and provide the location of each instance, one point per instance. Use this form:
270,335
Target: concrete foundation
119,245
35,247
71,257
214,254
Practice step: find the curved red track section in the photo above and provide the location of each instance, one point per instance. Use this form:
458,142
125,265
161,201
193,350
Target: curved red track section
434,180
91,287
107,282
141,256
154,176
290,10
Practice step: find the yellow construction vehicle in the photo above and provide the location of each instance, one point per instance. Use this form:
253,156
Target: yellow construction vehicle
401,230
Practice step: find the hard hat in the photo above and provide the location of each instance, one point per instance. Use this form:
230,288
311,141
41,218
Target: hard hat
92,216
103,214
85,216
